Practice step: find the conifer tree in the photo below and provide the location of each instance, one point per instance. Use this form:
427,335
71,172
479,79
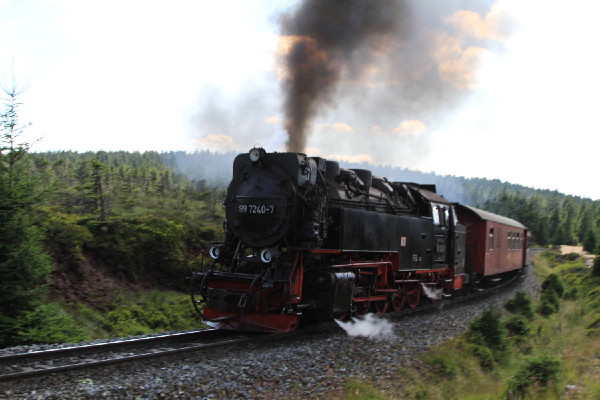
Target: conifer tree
24,266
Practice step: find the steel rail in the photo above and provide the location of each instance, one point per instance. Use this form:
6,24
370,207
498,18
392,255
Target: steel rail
98,347
124,359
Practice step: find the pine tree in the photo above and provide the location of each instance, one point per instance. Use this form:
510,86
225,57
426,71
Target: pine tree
570,222
24,266
557,227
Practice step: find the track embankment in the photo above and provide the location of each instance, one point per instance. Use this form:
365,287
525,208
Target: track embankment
305,366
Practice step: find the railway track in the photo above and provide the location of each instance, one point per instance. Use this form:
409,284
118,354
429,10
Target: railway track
32,364
22,366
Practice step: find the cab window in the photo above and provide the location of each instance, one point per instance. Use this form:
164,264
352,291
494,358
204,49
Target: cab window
446,216
441,215
435,214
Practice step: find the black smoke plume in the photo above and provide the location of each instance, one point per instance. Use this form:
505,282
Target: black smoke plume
382,62
325,37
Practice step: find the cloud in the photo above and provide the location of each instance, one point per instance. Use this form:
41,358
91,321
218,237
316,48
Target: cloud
496,25
337,126
456,66
341,127
358,158
218,142
410,127
313,151
273,120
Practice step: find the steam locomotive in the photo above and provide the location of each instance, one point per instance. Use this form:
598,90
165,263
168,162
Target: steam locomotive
307,241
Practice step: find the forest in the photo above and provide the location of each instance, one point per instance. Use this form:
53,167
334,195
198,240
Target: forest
72,224
553,218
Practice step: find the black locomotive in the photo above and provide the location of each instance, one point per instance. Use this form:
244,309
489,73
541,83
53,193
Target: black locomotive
308,241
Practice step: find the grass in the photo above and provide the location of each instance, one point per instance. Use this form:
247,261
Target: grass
557,359
358,391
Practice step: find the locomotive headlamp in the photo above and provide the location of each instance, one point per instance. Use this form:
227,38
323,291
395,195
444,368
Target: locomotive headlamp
257,153
266,255
215,252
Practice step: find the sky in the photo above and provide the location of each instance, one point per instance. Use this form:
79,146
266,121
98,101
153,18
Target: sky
515,93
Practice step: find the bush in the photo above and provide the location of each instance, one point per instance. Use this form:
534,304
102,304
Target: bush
442,365
517,325
487,330
570,257
553,283
596,267
538,370
552,291
552,298
546,307
155,312
123,322
484,355
49,324
520,304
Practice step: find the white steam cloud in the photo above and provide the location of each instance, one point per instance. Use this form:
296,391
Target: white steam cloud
432,293
370,326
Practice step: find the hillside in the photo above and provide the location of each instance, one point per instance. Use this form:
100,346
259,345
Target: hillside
541,343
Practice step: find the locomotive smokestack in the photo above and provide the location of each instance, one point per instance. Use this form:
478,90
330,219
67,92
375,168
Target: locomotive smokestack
324,36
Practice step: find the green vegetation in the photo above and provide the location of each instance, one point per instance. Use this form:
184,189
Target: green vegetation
81,233
596,267
552,292
520,304
358,391
138,313
124,218
551,218
24,265
518,327
488,331
129,210
540,370
514,354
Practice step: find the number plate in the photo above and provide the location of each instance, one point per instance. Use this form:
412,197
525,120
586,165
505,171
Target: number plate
256,208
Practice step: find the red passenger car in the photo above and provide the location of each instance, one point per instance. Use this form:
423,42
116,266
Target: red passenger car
494,244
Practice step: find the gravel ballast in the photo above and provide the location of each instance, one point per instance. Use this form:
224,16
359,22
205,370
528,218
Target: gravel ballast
310,366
